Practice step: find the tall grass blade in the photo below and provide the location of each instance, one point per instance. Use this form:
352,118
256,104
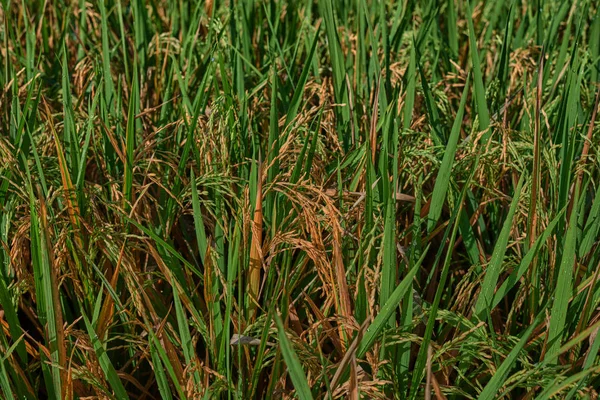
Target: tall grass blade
293,363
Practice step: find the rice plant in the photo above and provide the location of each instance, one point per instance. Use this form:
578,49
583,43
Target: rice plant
265,199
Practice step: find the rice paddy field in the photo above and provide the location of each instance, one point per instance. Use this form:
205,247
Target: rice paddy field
315,199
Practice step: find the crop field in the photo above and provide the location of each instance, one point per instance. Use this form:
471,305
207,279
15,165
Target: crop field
312,199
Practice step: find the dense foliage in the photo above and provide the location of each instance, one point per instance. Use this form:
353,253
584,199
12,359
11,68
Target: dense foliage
312,199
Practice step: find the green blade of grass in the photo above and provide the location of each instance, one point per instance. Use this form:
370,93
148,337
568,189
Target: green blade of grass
159,348
494,268
161,377
293,363
438,135
563,292
130,141
5,381
592,227
10,314
590,361
516,275
107,75
300,86
105,363
186,337
338,63
443,178
452,28
45,287
69,130
382,319
503,67
482,109
452,230
198,220
492,388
